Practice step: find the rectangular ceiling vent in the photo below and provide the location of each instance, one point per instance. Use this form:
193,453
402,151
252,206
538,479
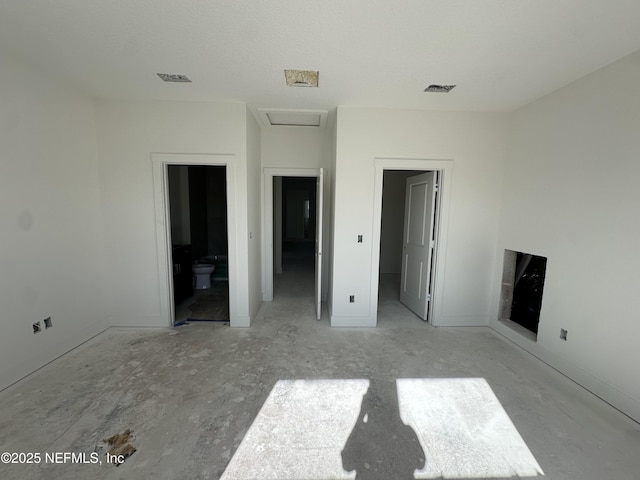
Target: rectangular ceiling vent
439,88
275,117
174,77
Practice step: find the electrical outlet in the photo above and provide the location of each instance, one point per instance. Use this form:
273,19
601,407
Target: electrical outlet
37,328
48,323
352,299
359,238
563,334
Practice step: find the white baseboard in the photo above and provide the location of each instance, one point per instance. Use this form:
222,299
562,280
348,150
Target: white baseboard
21,370
352,321
599,387
139,321
461,321
240,321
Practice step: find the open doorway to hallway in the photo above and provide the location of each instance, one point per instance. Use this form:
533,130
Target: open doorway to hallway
294,226
197,198
408,235
292,248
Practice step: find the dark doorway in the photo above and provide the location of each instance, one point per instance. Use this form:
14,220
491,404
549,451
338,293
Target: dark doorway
199,238
208,211
298,222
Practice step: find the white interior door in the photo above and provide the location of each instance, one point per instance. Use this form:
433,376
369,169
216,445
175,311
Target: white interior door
318,286
418,243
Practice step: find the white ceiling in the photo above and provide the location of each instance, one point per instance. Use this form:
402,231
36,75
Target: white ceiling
501,54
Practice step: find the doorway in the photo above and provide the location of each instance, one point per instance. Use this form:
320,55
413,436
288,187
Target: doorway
398,271
296,224
293,200
197,197
238,298
407,241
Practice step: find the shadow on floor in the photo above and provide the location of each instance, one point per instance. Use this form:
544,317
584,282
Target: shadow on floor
381,446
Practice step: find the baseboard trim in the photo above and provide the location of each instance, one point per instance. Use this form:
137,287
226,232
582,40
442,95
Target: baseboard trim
352,321
460,321
240,321
615,397
16,374
139,321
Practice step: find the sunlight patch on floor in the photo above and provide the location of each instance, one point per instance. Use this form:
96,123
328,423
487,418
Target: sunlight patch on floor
303,426
300,432
463,429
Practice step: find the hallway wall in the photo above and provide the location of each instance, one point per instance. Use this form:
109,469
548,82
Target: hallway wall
254,212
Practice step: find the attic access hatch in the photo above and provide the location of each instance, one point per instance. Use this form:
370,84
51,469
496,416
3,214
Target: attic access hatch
274,117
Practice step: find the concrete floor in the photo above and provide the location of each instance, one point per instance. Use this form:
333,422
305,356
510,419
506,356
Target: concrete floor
191,394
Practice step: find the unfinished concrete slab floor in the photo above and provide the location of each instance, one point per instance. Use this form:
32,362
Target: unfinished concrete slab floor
193,393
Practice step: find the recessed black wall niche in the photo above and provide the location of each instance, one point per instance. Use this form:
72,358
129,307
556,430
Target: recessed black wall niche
522,288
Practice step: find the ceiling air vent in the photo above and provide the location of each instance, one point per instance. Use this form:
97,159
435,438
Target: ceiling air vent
439,88
174,77
301,78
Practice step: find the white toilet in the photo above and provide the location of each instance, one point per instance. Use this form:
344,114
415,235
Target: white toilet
202,275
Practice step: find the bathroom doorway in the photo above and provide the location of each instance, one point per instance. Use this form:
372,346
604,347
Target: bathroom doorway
197,201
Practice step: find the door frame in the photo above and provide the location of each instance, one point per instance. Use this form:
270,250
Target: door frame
160,163
443,205
267,238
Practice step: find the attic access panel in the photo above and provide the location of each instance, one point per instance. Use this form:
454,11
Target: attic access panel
523,277
283,117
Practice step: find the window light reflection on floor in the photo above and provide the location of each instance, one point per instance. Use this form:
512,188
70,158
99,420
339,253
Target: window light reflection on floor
346,429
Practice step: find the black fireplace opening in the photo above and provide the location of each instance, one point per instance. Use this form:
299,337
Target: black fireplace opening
522,288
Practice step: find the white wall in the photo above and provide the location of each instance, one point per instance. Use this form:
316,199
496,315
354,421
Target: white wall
476,144
571,194
391,233
51,250
300,147
128,133
295,147
331,184
254,204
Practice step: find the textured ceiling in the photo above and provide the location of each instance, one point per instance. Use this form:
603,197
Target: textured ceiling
501,53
